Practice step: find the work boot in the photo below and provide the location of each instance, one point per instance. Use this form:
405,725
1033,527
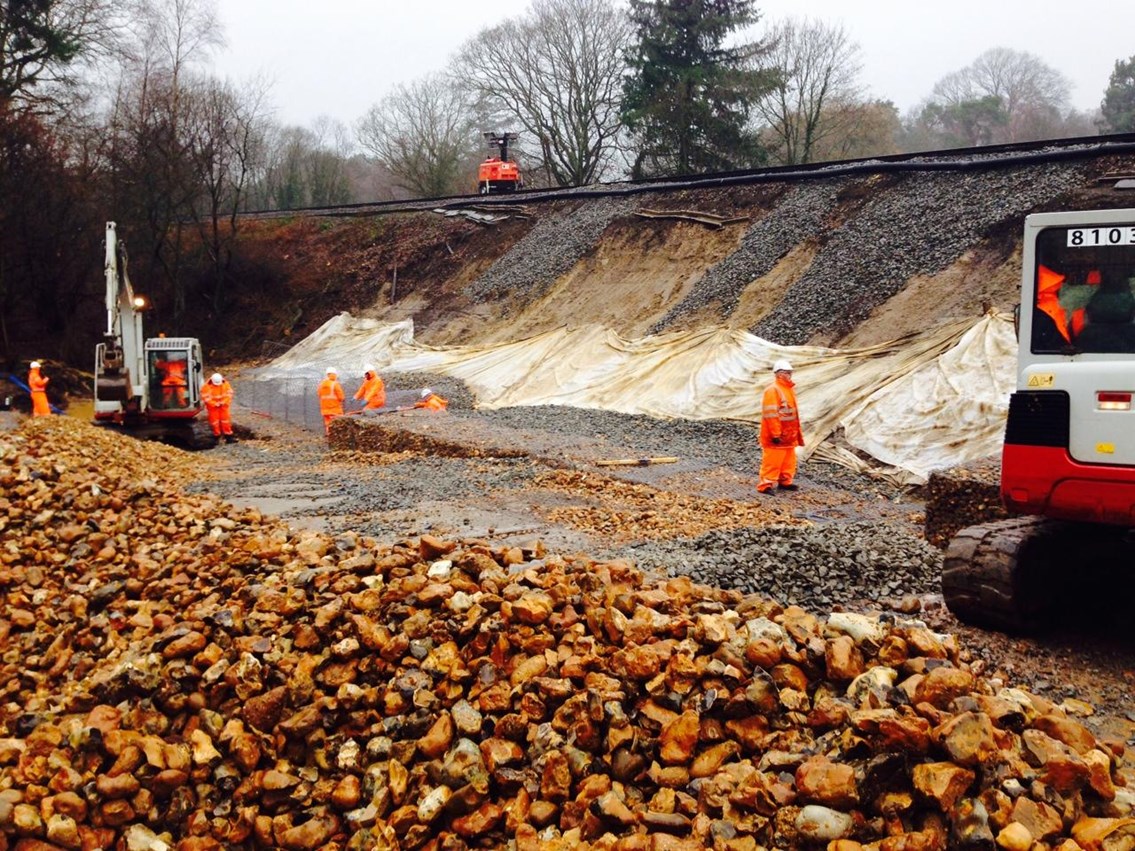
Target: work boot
766,492
230,439
788,487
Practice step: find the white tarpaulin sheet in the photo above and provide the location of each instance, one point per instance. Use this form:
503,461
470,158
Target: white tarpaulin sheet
923,402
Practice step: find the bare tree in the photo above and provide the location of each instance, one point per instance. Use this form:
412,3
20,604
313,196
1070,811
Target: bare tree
557,73
301,167
156,177
222,126
43,44
176,34
868,128
424,133
327,169
817,70
1033,97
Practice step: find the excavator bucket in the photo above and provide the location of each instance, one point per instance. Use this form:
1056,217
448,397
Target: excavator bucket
113,388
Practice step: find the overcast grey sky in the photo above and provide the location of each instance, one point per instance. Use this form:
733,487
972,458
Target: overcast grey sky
337,57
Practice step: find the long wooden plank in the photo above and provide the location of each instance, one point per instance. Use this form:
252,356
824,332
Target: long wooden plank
637,462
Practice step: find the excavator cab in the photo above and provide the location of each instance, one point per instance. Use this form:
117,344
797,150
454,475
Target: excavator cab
173,370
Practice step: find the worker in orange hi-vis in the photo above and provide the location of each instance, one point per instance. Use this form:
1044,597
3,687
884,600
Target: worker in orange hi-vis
175,383
431,401
331,397
780,432
372,391
217,394
37,384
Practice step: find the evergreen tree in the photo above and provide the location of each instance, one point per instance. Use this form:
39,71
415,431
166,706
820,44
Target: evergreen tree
1118,105
687,99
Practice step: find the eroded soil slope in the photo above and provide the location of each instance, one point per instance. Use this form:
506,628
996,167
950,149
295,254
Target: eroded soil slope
841,260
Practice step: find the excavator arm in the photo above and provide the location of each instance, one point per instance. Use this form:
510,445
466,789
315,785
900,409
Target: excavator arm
119,360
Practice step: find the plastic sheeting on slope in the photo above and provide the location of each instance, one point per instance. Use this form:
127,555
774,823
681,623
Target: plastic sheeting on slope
949,410
925,401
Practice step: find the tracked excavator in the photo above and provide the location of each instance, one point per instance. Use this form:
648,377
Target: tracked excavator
150,389
1068,460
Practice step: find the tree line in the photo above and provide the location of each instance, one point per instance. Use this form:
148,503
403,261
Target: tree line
112,109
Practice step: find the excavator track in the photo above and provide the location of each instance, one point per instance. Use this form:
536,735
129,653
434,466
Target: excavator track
1004,575
200,435
1028,573
188,434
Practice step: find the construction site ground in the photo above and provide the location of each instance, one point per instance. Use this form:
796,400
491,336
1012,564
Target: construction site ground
472,477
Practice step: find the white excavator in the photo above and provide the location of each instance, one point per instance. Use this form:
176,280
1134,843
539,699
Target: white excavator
150,389
1068,460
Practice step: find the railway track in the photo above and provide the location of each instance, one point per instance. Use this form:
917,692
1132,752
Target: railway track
986,158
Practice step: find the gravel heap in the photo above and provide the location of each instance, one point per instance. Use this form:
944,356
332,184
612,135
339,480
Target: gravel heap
553,246
871,257
181,674
817,567
800,215
905,225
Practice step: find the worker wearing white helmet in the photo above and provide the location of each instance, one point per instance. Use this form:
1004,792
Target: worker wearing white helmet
330,398
372,392
37,384
431,401
217,396
780,432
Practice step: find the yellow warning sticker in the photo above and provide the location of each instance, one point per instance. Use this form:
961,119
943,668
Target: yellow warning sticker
1105,448
1042,380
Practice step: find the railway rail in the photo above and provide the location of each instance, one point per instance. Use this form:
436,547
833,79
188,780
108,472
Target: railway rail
955,159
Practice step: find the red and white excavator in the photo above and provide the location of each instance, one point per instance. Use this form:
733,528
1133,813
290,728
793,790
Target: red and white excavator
1068,461
150,389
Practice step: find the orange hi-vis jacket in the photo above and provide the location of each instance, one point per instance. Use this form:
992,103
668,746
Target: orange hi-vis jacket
37,384
331,397
173,373
780,417
1048,299
217,395
433,402
1048,287
372,391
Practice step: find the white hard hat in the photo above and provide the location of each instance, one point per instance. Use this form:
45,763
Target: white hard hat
782,366
426,392
369,367
216,378
332,370
33,365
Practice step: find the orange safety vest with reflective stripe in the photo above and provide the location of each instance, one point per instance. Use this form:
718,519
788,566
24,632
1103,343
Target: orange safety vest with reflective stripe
779,415
37,384
330,397
217,395
373,391
173,373
433,402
